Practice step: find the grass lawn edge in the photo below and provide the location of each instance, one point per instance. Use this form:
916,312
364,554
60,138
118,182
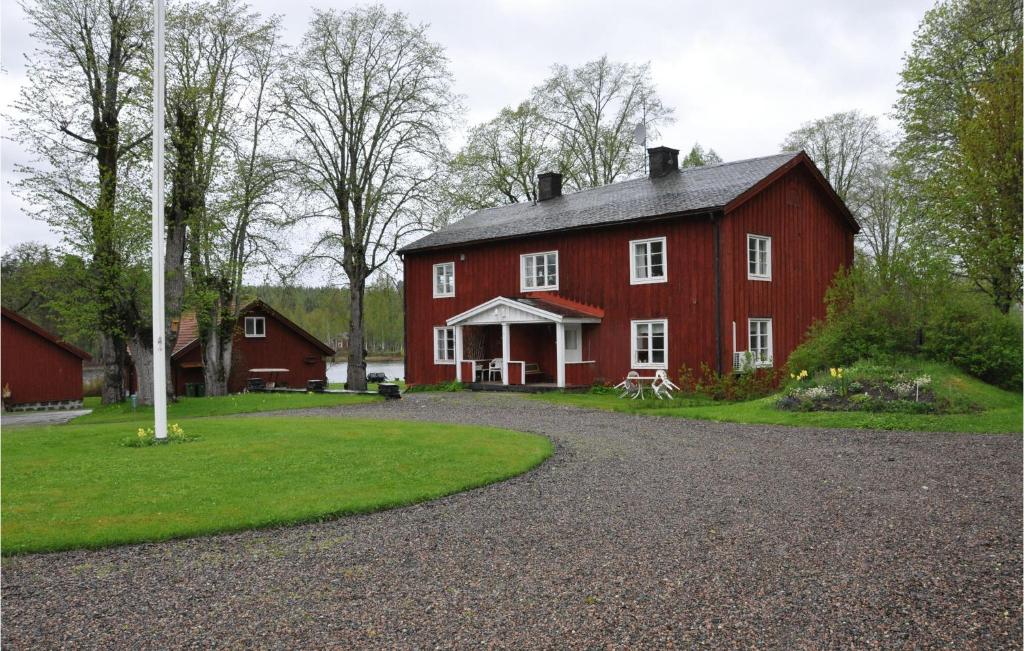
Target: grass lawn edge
421,497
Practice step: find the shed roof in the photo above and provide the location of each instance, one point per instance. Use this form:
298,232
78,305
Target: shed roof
45,334
694,189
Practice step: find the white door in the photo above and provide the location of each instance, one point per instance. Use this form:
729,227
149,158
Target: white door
573,343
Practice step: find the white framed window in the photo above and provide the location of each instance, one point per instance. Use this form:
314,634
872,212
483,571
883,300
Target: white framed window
538,271
760,341
649,346
444,280
444,345
255,326
759,257
647,261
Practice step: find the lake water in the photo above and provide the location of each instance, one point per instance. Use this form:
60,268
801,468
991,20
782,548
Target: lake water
392,369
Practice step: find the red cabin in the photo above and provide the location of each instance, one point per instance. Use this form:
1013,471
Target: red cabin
266,345
37,369
725,265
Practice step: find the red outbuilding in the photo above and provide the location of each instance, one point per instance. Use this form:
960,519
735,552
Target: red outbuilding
266,345
725,265
37,369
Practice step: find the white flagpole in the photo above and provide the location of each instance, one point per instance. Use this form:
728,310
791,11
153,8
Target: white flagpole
159,358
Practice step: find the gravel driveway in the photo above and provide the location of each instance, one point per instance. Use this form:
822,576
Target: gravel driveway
640,532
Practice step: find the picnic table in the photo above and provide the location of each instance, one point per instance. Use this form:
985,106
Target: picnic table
273,372
659,385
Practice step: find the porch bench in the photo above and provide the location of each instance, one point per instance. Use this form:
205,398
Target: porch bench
532,369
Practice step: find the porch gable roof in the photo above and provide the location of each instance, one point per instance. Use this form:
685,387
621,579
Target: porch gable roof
531,309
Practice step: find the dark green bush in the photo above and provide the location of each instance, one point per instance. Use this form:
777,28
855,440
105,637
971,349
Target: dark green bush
931,317
977,339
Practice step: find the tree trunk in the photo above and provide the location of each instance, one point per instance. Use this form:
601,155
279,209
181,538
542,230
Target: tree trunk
356,375
114,360
217,348
174,266
142,355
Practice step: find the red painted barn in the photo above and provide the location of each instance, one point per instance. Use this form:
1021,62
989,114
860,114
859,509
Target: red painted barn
36,366
263,339
725,264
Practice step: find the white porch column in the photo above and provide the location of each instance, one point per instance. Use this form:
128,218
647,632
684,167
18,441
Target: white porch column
506,347
458,354
560,353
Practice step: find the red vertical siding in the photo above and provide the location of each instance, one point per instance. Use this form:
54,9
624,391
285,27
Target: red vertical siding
810,243
35,368
593,269
282,347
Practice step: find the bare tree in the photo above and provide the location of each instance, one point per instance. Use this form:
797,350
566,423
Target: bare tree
368,98
83,113
248,210
886,218
843,145
592,113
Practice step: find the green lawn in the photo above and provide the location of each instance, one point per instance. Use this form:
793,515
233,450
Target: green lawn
1001,411
240,403
75,486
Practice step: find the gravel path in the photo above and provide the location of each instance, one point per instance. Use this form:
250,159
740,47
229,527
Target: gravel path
50,417
639,533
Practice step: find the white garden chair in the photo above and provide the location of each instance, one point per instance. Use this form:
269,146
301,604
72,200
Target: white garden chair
662,386
494,369
630,386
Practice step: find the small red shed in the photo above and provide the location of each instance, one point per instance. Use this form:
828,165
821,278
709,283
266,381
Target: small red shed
263,339
36,367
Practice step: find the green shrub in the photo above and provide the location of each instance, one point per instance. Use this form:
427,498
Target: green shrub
977,339
454,385
747,385
921,314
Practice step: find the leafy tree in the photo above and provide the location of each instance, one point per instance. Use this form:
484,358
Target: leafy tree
699,157
500,160
223,58
960,109
843,146
887,219
83,113
591,114
368,98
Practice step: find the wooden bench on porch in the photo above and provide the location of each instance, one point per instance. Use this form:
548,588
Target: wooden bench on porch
532,368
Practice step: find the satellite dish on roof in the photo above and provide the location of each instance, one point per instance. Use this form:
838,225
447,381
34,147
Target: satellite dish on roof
640,134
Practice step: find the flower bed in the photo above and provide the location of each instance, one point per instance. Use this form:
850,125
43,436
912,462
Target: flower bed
865,388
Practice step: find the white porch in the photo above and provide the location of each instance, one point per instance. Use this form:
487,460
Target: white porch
529,328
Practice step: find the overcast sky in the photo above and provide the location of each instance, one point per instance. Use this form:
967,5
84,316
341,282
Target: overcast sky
740,74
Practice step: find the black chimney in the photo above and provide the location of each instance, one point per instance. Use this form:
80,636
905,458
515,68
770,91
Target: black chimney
662,161
549,186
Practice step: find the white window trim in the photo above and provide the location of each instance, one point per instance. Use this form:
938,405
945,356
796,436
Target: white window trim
433,279
437,358
768,257
663,278
522,272
632,345
767,363
255,319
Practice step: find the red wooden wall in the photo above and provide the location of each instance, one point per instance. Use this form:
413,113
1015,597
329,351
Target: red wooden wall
810,243
281,348
35,368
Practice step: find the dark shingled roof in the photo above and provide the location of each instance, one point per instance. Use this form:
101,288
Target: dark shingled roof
693,189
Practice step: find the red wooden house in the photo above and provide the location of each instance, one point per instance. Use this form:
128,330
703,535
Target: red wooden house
36,367
266,345
725,264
